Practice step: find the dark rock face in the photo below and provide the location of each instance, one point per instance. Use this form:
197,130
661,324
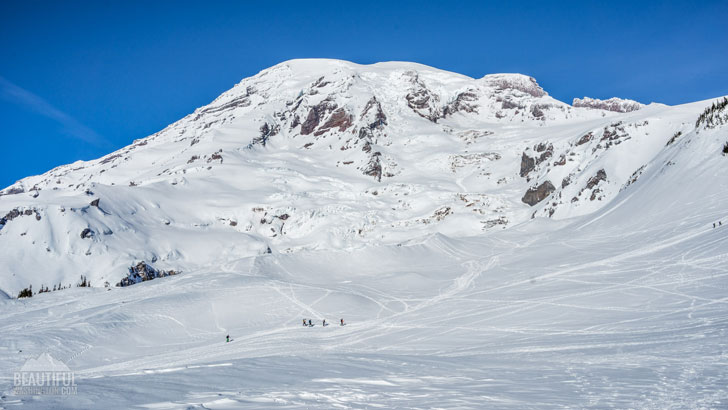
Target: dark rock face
142,272
596,179
266,131
528,85
419,100
12,191
374,167
87,233
241,101
545,155
614,134
16,213
528,164
566,181
380,119
537,112
339,119
612,104
423,102
315,115
585,138
95,202
538,194
464,101
545,151
215,157
508,104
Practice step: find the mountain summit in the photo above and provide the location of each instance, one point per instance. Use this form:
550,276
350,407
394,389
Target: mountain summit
328,154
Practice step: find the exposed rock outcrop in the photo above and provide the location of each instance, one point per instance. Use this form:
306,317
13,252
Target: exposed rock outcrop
613,104
266,131
339,119
12,191
528,164
421,100
538,194
585,138
17,212
142,272
522,83
315,115
596,179
374,167
374,114
465,101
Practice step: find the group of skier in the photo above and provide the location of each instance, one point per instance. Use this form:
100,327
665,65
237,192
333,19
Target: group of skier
309,323
720,223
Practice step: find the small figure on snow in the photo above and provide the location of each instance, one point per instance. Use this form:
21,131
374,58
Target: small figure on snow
720,223
304,322
713,225
227,339
324,322
310,323
342,322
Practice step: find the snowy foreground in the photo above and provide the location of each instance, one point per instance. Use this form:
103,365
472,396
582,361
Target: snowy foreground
487,245
583,316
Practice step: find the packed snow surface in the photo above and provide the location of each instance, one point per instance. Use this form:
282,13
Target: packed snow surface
487,246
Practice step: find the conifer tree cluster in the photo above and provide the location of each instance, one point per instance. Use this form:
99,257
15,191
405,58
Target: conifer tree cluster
28,292
714,115
83,283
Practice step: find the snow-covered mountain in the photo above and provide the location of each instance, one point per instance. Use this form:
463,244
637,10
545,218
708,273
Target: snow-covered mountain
487,245
327,154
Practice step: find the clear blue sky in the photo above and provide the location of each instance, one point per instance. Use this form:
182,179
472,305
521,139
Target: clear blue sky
80,79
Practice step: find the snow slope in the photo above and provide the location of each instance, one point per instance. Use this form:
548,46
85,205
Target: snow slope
327,154
613,302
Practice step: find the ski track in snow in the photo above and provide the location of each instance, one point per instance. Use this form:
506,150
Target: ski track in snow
417,350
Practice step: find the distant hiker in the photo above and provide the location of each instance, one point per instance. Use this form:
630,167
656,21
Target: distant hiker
342,322
227,339
304,322
324,322
720,223
310,323
713,225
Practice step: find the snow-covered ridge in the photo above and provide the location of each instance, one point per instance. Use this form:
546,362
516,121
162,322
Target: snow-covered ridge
518,82
613,104
328,154
485,246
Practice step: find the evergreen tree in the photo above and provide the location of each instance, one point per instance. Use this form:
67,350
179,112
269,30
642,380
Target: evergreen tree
26,293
